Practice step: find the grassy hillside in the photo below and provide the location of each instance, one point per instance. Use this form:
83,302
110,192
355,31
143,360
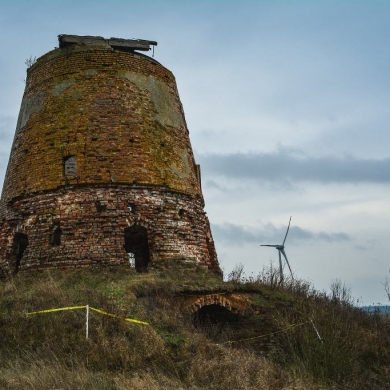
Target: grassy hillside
274,346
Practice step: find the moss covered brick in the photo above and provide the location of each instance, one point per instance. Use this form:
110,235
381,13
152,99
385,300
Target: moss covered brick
101,145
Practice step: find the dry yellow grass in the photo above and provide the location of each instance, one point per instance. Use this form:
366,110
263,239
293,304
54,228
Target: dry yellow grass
51,352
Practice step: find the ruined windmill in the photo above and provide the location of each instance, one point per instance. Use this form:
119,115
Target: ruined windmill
281,252
101,168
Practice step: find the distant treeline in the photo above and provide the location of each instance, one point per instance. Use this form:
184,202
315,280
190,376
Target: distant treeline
377,308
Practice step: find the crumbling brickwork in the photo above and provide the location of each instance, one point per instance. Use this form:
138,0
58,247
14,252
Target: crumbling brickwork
101,170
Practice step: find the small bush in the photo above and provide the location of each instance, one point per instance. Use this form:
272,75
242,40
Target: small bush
30,61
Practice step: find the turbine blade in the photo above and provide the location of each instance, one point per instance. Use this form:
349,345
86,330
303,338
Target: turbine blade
288,264
288,228
273,246
280,267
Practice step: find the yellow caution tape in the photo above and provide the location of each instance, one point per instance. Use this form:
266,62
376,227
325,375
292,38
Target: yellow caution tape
59,309
116,316
264,335
91,308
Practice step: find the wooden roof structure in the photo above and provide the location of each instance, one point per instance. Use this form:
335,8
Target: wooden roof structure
116,43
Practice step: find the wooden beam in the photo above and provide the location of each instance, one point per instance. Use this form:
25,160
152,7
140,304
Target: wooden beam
119,43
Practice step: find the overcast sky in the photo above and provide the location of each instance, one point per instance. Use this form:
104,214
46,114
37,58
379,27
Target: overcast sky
287,104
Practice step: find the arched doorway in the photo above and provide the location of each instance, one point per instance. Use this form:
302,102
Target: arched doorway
137,247
216,321
19,245
214,314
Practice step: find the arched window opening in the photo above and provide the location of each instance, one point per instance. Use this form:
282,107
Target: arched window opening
70,166
137,247
20,244
55,238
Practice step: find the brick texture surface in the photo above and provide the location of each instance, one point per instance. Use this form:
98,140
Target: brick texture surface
101,145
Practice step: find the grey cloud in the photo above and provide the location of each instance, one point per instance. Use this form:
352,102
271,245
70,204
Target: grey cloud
299,233
4,156
269,234
284,165
230,187
234,234
7,129
212,184
361,248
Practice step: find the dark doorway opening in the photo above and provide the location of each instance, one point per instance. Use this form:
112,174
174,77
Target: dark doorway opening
19,246
216,321
214,314
137,247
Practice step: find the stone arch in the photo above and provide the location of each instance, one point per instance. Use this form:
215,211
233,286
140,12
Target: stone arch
237,305
137,246
217,312
212,299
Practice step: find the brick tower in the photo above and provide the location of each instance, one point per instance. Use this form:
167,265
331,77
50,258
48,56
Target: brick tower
101,170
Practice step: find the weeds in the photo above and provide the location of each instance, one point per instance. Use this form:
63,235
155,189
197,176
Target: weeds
50,351
30,61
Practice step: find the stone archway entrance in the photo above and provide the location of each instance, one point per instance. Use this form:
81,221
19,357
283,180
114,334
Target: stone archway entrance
137,247
214,314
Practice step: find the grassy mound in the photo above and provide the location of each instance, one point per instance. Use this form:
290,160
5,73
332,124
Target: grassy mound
274,346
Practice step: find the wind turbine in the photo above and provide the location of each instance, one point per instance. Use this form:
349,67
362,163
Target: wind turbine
281,252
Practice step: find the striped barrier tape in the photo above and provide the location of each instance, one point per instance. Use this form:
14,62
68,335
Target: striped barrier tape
90,308
278,331
132,320
59,309
116,316
265,335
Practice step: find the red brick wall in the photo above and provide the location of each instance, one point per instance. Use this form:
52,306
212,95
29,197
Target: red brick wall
119,117
177,227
